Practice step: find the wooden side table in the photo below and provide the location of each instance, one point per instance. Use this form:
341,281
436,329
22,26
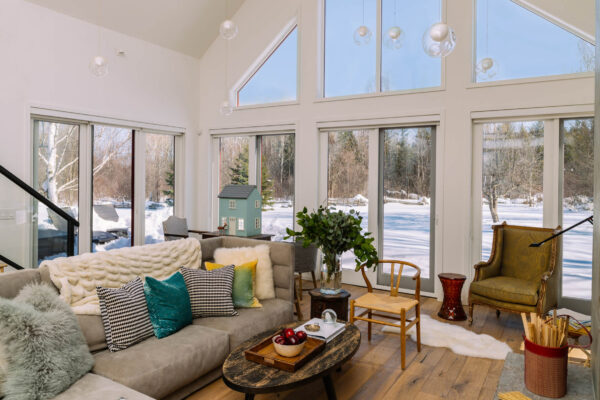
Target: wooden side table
452,308
337,302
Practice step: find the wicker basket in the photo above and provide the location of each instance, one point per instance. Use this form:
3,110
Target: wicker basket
546,369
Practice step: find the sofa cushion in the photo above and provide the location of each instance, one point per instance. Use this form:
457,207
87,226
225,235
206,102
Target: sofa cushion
505,288
265,287
124,314
158,367
93,331
96,387
169,304
210,291
12,282
251,321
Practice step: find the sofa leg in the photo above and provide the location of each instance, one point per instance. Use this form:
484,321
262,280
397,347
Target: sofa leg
497,313
471,314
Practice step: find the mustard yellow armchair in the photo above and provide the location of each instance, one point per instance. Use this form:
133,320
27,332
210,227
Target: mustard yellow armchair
517,278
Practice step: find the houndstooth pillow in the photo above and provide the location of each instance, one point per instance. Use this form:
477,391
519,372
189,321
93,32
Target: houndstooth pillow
210,291
124,315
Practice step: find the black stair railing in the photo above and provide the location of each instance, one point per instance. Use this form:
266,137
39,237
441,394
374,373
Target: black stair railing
71,221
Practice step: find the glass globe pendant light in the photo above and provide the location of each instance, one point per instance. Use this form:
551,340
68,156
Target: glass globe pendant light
394,37
226,108
98,66
487,68
228,29
439,40
362,34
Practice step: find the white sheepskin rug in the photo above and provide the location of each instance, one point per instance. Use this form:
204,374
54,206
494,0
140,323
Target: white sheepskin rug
461,341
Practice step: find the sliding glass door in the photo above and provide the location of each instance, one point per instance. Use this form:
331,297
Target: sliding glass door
577,139
264,160
56,177
112,187
387,175
408,174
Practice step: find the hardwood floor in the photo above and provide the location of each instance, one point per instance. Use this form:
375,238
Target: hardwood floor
375,373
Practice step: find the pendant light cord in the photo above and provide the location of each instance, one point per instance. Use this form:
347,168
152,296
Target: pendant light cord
363,21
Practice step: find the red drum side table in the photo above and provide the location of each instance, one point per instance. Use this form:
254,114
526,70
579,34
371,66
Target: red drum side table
452,308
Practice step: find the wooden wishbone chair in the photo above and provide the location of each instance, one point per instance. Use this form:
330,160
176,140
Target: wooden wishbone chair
374,303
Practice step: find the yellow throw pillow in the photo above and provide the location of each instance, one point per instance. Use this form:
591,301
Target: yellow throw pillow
244,282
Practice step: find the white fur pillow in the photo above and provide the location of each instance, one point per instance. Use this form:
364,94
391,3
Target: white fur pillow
265,287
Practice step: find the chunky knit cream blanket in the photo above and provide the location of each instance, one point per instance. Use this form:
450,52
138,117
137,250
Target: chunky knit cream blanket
77,277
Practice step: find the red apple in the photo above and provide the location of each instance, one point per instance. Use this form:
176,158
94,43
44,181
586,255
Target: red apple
292,340
280,340
289,332
301,335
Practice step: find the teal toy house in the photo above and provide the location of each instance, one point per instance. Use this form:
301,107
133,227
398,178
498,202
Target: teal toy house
240,207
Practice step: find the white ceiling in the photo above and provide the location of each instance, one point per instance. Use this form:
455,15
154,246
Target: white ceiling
186,26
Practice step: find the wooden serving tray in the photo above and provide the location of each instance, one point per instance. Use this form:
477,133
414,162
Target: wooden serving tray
264,353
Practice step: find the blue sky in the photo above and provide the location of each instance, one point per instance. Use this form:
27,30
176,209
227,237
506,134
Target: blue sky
521,44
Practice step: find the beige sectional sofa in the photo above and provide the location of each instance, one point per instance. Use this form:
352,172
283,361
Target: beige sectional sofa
180,364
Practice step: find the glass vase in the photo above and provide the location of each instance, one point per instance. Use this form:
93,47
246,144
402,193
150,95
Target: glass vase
331,274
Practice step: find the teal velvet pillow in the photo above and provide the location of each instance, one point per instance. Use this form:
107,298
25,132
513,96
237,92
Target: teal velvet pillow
168,304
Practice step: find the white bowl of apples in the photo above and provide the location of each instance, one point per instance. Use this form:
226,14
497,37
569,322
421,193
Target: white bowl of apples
289,343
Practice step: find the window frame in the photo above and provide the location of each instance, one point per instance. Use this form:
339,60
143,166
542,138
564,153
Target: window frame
378,37
552,178
375,207
85,122
254,135
233,93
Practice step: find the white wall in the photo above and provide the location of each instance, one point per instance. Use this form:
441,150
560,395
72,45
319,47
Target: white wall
454,105
44,59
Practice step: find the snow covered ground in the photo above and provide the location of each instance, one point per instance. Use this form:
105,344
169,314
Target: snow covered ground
406,234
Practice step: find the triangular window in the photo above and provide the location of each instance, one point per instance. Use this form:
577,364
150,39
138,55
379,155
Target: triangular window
513,43
276,79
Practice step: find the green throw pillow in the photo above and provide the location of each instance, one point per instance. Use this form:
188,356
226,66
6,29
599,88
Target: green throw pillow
168,304
243,283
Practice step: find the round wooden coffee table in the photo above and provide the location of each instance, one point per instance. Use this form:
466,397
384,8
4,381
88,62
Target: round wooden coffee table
252,378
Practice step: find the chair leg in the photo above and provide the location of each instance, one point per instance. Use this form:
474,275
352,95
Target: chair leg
418,316
300,285
369,325
471,305
314,279
403,337
351,311
497,313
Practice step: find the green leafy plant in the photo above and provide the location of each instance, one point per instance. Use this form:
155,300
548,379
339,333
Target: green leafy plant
335,232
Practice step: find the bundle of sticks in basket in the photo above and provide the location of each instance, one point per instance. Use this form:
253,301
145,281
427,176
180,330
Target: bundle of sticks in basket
545,331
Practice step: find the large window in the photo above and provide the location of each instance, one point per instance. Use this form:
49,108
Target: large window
528,46
266,161
56,169
347,177
351,66
276,79
577,204
112,187
277,184
539,173
512,176
408,170
160,184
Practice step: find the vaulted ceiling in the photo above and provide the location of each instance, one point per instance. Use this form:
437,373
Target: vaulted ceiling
186,26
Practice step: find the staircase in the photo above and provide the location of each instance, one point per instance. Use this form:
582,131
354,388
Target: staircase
25,241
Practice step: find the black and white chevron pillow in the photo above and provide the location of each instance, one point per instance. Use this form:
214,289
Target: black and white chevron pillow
124,315
210,291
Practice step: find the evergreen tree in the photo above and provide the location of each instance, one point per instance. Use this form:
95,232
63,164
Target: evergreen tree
238,174
170,182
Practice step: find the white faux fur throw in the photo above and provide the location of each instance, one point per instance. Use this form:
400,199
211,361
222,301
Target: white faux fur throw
265,287
77,277
456,338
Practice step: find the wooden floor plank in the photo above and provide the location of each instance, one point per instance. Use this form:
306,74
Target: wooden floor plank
375,373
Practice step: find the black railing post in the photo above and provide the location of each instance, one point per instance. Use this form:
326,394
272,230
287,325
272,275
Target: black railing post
70,239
